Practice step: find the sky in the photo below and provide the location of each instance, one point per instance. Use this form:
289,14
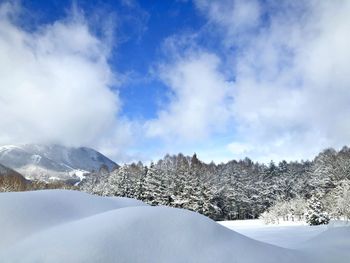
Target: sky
138,79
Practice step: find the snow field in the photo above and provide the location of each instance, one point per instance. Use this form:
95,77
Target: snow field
69,226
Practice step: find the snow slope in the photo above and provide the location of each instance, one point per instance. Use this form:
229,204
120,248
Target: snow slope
43,162
67,226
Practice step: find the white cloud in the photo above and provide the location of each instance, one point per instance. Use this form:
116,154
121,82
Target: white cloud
239,16
277,84
239,148
56,84
290,64
292,83
197,102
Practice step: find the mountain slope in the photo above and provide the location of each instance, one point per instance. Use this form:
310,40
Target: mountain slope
10,180
48,162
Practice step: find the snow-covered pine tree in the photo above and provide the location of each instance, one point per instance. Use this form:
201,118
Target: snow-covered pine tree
139,182
155,187
316,214
179,182
199,190
94,182
119,183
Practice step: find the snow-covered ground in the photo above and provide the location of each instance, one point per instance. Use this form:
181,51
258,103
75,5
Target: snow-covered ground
69,226
286,234
325,243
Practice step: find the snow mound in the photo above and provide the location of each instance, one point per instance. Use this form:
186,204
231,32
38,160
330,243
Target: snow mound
68,226
25,213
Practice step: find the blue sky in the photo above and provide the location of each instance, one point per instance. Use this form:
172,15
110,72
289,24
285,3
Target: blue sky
138,79
140,28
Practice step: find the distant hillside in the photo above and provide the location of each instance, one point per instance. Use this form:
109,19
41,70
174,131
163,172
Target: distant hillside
10,180
53,162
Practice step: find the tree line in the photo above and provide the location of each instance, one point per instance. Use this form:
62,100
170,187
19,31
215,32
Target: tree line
235,190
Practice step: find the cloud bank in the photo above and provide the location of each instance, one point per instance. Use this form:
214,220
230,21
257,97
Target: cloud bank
279,81
264,79
56,84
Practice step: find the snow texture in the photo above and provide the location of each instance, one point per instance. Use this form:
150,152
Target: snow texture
68,226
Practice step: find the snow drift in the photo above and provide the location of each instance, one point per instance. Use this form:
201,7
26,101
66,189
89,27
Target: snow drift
25,213
68,226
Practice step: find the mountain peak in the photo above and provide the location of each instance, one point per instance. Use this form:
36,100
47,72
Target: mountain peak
52,161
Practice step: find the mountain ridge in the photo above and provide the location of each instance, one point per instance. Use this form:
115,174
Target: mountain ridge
11,180
53,162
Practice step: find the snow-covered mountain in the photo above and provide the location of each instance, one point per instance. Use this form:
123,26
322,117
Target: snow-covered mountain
5,171
10,180
53,162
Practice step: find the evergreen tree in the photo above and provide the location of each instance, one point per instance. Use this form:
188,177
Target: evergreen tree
234,190
119,183
155,187
316,214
